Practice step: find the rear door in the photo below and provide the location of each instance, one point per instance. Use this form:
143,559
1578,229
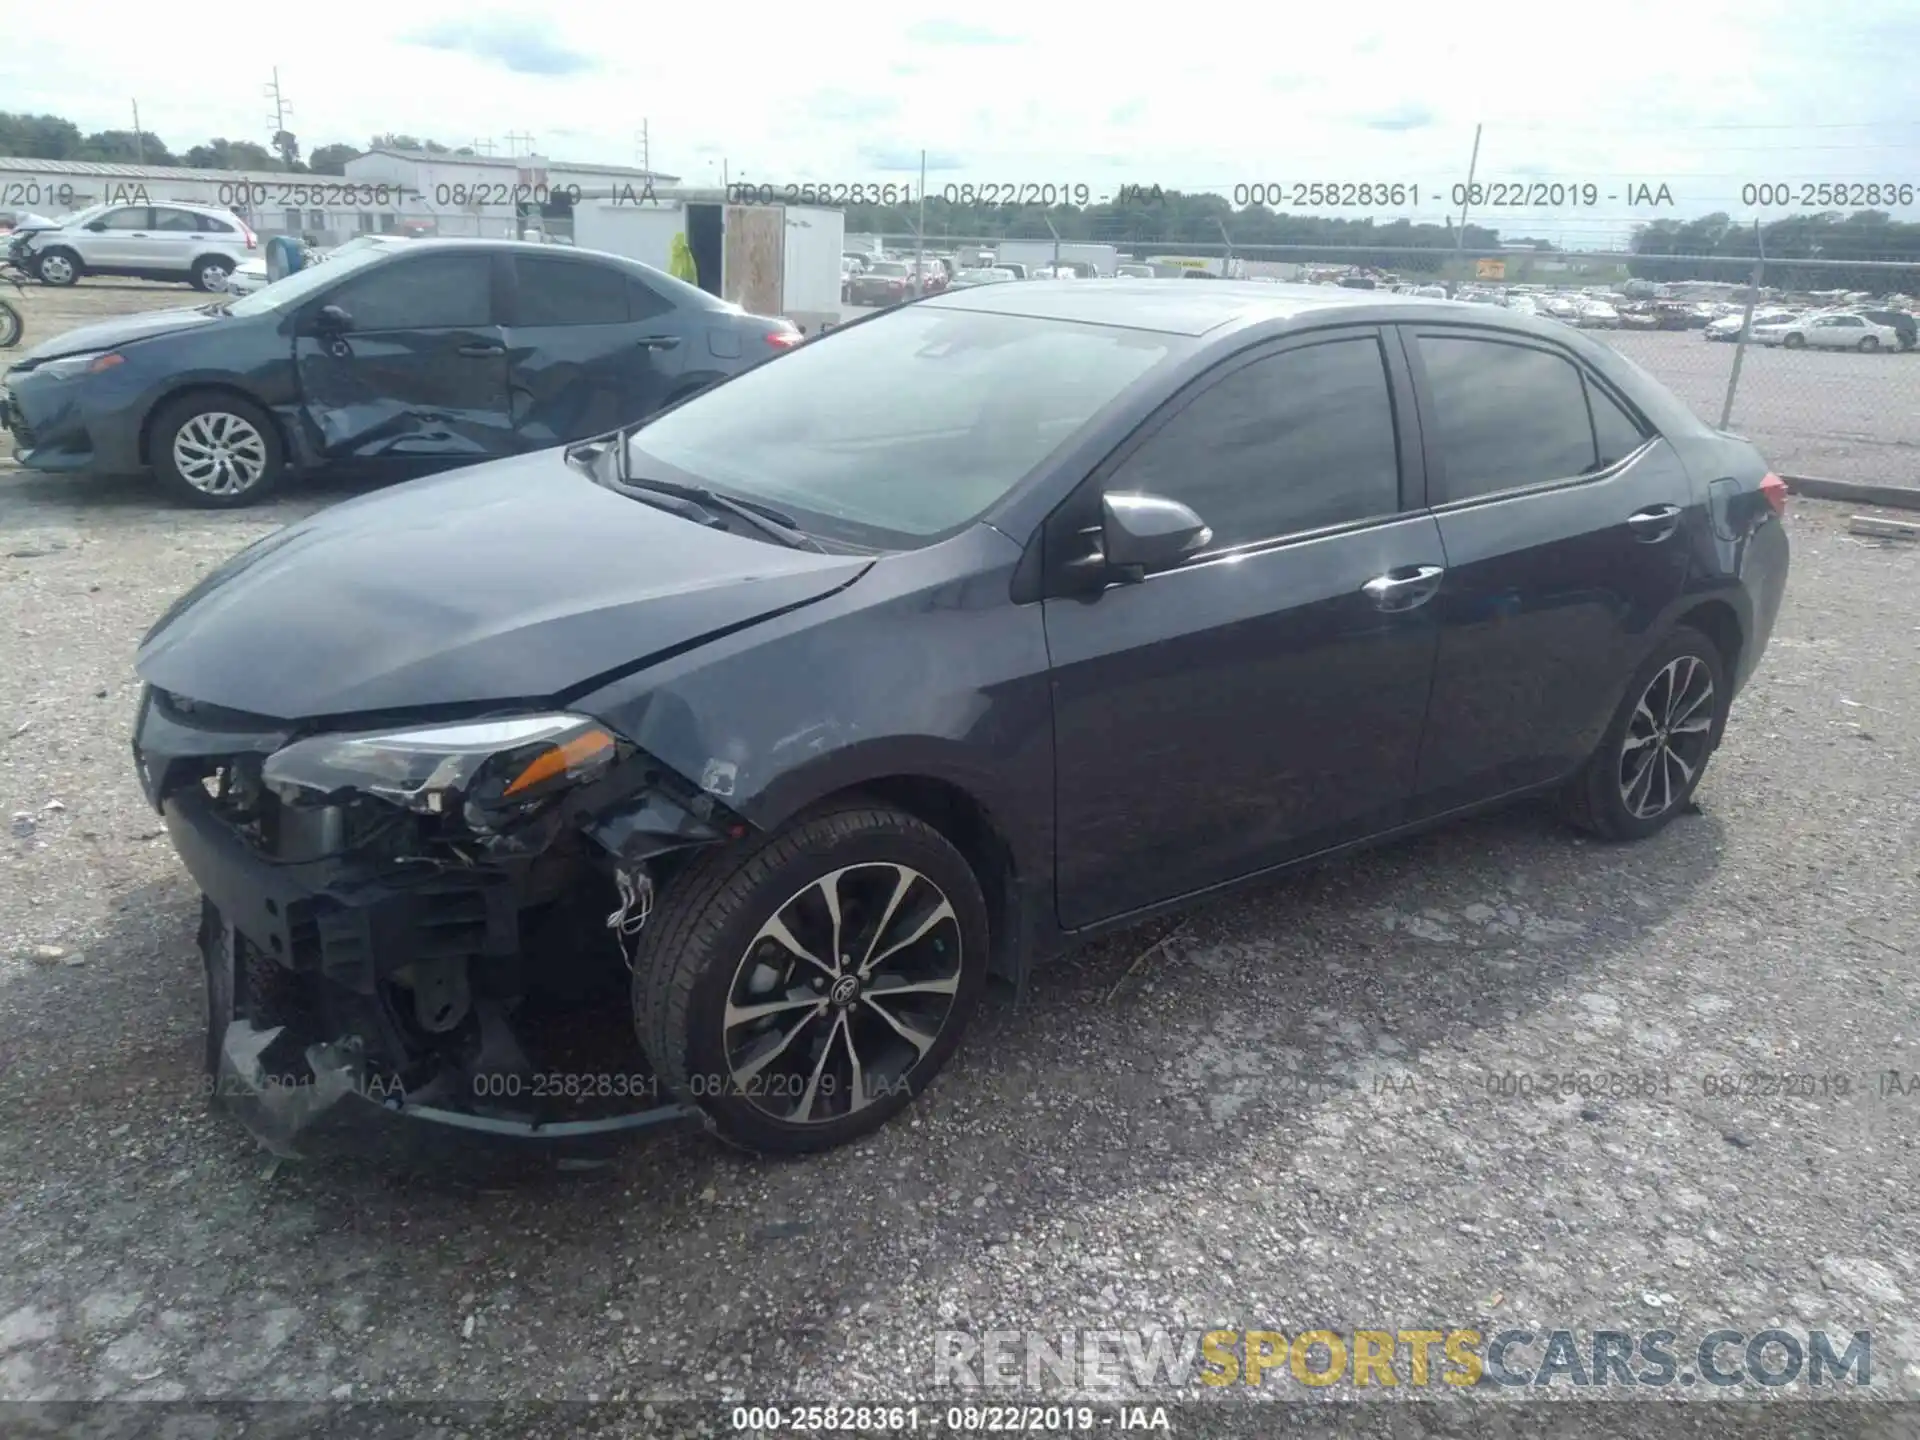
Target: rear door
1258,702
590,347
1566,524
421,375
176,239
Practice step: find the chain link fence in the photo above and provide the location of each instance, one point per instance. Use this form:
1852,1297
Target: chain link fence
1749,342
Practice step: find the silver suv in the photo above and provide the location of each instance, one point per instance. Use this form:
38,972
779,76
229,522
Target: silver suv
198,244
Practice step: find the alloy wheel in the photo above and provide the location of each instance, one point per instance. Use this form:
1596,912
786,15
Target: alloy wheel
1667,738
219,453
841,993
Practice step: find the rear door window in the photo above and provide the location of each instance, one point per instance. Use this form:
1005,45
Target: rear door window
1506,415
569,292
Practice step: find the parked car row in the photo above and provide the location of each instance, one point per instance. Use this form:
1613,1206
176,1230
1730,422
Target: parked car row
843,706
393,356
1867,330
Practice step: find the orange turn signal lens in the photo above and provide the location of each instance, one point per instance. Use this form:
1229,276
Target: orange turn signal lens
106,362
557,761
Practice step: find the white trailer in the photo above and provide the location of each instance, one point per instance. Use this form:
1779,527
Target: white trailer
1035,253
768,259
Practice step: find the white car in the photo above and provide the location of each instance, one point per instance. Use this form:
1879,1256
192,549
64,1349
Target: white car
1829,332
1727,327
253,276
247,277
1597,315
198,244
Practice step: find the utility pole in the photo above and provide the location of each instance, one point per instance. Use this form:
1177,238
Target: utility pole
1466,196
482,147
646,158
139,145
281,109
514,141
920,234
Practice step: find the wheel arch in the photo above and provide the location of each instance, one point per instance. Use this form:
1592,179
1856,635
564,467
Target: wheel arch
970,826
1719,622
209,387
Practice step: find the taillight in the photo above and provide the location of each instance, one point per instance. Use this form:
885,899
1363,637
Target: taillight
1775,491
784,339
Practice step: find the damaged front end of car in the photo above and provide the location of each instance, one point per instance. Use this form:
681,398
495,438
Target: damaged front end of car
428,921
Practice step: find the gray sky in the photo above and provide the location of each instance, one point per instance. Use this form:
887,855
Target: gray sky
1699,95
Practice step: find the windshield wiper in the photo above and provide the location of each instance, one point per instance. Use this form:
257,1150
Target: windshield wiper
763,518
690,502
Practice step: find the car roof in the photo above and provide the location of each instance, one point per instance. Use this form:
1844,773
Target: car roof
1176,309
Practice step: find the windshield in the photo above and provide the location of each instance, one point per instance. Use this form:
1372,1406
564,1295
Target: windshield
902,428
292,289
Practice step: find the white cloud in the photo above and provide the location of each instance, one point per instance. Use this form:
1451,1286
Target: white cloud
1276,95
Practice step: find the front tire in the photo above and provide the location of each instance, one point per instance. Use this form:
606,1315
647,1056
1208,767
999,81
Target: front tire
58,267
1655,750
803,990
1795,342
1869,344
217,451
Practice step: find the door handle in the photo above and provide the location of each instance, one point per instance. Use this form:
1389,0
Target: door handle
656,342
1654,524
479,351
136,234
1406,588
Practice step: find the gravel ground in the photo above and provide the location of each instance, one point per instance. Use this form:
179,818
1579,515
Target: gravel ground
1280,1117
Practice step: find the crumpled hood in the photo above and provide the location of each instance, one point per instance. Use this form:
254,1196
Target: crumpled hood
110,334
511,581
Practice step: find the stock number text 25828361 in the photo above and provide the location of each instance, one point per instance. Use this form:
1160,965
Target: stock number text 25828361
317,194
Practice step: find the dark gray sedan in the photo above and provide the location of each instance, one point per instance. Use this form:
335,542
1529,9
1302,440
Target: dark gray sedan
773,728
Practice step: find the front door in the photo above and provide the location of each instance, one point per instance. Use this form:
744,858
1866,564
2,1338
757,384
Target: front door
420,375
590,347
1566,524
1264,699
120,239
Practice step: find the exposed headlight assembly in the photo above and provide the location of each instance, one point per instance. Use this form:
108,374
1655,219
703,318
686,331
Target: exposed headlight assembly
486,772
68,366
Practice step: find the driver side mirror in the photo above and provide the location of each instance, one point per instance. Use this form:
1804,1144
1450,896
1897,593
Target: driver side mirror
1140,532
332,320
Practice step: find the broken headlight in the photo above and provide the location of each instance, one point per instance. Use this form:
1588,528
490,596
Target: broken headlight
485,772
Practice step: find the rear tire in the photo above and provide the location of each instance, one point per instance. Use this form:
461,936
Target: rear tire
216,451
1794,342
1869,344
1656,748
210,273
832,1062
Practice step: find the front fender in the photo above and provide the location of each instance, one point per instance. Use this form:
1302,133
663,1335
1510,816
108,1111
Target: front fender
922,669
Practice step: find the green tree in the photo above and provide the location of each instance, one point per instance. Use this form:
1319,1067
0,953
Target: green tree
38,137
123,147
332,159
